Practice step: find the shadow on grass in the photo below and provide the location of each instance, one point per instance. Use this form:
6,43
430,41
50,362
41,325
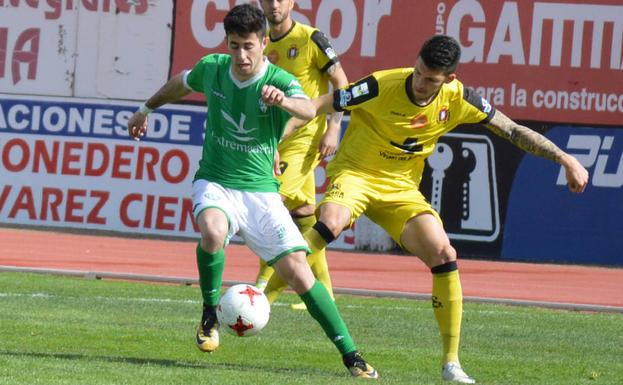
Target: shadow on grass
247,367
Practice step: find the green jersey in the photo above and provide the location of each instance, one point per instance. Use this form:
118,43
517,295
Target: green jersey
242,132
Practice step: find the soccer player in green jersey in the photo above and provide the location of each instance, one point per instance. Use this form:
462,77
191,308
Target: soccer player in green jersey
249,102
306,53
397,116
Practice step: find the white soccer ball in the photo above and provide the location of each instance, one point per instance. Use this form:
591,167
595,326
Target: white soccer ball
243,310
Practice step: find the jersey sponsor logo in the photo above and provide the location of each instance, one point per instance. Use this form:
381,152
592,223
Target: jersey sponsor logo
419,121
239,132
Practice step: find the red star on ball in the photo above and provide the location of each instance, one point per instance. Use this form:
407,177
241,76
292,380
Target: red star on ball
240,328
251,293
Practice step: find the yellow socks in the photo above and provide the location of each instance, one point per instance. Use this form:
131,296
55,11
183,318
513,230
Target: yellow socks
448,308
317,259
263,276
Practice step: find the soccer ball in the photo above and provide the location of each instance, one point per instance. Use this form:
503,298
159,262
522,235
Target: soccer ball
243,310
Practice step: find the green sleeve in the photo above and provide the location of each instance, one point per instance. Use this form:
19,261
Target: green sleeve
286,82
196,76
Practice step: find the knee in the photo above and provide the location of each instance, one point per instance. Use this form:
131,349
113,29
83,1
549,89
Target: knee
294,270
438,255
443,254
212,239
304,210
333,225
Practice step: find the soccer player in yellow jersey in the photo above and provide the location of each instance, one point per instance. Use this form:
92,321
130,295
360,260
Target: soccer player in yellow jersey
306,53
397,116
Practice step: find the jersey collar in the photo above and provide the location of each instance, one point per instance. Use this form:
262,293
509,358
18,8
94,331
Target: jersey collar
251,80
410,95
284,35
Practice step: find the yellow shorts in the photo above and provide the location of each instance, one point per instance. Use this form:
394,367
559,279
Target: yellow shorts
297,162
386,203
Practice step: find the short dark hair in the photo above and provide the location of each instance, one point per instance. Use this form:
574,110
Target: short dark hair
245,19
441,52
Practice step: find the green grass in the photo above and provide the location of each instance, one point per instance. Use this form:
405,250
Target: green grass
59,330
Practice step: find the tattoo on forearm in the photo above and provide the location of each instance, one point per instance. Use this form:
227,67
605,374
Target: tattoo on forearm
336,117
525,138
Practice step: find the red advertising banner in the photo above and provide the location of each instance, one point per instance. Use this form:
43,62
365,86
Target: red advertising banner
550,61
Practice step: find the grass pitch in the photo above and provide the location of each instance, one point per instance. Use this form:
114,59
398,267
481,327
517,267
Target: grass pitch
58,330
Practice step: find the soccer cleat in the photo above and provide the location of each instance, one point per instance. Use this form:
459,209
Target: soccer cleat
207,333
298,306
358,367
452,371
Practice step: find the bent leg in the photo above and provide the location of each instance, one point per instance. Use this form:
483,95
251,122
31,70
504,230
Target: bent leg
264,275
425,237
210,253
294,270
333,219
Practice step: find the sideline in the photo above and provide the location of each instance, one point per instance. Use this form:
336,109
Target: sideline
348,291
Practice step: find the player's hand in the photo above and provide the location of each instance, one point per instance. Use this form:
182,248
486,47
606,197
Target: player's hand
577,175
137,125
272,95
328,143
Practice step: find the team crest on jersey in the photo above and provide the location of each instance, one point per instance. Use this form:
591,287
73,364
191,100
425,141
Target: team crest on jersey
443,115
263,106
293,52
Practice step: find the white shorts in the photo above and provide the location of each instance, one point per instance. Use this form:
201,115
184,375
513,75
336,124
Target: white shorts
261,219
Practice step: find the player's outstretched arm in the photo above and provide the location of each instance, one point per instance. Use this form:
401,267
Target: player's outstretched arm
171,91
329,141
292,125
536,144
301,108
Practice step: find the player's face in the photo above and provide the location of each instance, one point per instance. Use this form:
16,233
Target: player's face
247,54
427,82
277,11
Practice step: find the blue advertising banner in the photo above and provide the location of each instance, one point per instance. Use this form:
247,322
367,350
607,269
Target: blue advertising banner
545,222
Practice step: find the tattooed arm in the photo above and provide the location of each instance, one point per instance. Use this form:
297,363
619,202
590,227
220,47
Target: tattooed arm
534,143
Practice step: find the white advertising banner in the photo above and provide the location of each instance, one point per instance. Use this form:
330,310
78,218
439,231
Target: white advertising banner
69,163
89,48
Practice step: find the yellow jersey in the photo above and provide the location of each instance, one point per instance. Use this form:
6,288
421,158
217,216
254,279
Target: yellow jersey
306,53
388,135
